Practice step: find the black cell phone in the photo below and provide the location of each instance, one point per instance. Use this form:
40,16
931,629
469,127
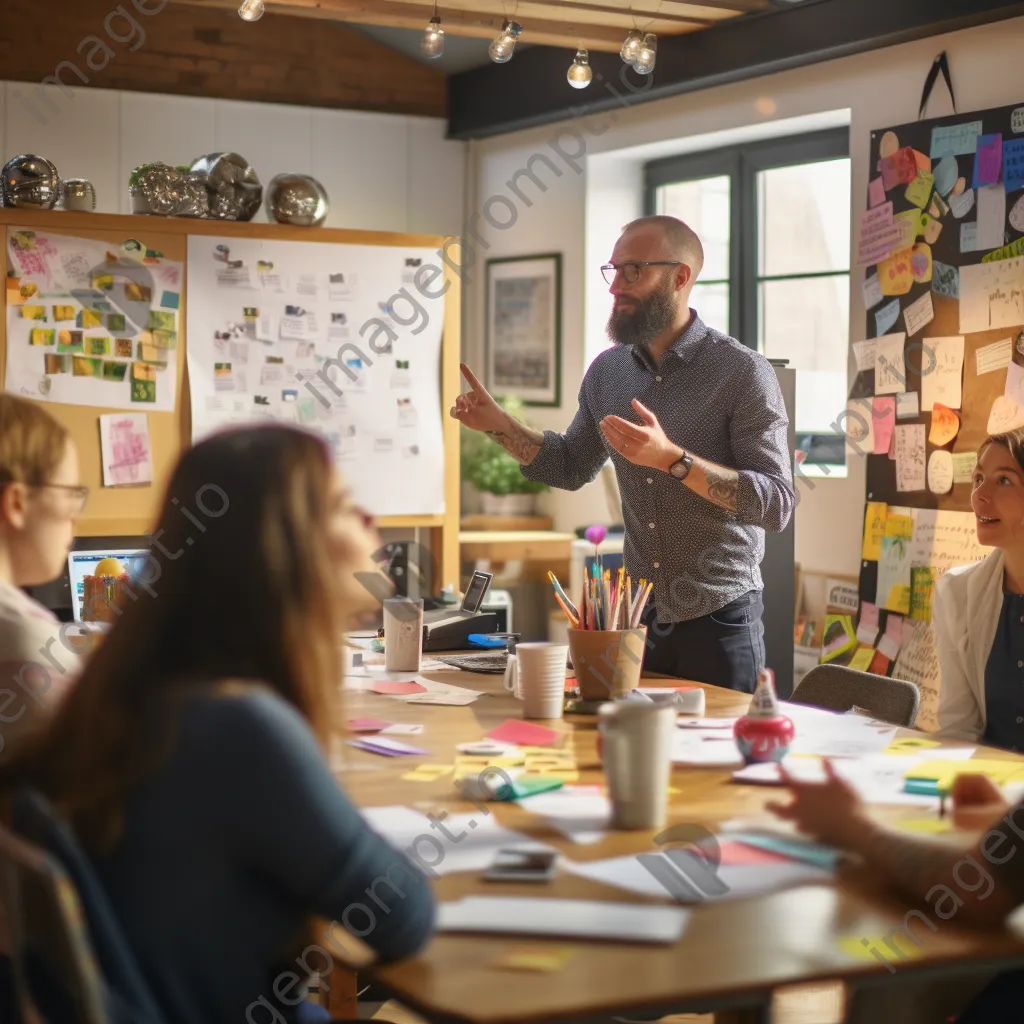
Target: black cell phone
522,866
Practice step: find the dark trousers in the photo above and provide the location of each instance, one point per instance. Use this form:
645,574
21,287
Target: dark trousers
725,648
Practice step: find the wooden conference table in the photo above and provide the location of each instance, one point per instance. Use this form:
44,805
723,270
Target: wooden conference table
731,955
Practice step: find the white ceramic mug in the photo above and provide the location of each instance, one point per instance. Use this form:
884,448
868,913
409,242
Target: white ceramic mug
535,674
636,742
403,634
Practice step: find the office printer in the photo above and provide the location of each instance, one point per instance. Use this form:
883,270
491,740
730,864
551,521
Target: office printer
448,629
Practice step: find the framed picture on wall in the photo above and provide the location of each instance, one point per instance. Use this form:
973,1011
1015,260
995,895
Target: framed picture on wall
523,328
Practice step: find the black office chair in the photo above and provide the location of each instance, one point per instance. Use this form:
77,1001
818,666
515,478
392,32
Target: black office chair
837,688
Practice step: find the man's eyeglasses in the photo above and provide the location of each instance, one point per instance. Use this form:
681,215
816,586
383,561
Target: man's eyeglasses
631,271
78,494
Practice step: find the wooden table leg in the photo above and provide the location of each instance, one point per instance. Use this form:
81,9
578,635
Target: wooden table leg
339,993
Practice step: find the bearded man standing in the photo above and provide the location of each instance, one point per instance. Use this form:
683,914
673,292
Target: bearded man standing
696,426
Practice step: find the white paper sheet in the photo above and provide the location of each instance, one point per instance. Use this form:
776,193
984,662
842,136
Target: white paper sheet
919,314
991,216
943,538
910,457
124,445
864,353
890,368
993,357
872,291
918,663
908,406
577,812
992,295
942,365
581,919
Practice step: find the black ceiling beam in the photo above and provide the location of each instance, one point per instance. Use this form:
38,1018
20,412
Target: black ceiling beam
532,90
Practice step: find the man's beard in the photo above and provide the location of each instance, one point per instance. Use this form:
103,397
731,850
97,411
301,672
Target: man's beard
641,324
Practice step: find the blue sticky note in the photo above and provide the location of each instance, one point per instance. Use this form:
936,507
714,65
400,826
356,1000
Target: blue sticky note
169,300
988,160
955,139
817,854
887,316
945,280
1013,164
946,172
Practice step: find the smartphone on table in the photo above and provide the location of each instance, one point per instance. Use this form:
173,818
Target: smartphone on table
511,865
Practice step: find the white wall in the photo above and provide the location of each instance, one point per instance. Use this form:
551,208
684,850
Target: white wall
381,171
879,89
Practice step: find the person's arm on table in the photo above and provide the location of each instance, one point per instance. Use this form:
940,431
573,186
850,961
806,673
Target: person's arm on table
566,461
761,493
922,869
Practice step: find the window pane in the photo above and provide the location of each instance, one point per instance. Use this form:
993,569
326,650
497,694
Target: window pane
804,218
712,304
807,322
704,205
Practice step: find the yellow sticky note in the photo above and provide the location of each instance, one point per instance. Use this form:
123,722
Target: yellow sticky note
898,600
874,530
911,745
861,660
899,527
919,191
945,772
871,948
428,773
915,224
535,958
923,826
895,274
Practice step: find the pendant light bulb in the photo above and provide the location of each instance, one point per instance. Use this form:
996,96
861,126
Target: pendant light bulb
432,43
500,50
580,73
644,63
631,47
251,10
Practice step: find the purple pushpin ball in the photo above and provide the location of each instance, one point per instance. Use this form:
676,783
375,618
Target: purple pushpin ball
596,534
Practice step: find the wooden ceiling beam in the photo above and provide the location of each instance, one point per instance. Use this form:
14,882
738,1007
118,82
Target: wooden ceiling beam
476,24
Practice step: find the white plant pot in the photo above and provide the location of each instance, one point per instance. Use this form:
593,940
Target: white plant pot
509,504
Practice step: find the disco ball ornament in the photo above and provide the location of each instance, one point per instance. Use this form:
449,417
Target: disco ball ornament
167,191
31,182
233,190
297,199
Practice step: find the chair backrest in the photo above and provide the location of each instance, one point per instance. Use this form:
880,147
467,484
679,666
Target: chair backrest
127,996
837,688
56,975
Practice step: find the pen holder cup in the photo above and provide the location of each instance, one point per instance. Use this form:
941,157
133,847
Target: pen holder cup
607,662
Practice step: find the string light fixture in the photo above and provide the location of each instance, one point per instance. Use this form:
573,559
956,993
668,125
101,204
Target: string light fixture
645,58
632,45
580,72
251,10
432,43
500,50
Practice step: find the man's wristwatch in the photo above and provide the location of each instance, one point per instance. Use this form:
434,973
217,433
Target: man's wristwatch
680,469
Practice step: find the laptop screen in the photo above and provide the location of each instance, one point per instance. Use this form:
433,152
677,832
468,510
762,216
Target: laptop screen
83,563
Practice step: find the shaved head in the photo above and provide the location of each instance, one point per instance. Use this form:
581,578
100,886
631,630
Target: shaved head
681,241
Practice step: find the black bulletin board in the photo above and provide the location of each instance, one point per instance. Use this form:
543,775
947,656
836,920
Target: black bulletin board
978,392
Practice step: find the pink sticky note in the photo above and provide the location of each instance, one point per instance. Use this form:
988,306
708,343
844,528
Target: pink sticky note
366,724
883,412
876,192
395,689
523,734
733,853
988,161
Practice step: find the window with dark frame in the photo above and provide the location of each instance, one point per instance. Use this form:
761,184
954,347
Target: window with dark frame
774,220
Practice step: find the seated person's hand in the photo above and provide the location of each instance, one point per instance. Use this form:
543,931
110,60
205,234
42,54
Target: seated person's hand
977,802
830,811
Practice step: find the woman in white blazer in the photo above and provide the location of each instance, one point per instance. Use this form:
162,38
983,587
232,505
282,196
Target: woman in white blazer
978,610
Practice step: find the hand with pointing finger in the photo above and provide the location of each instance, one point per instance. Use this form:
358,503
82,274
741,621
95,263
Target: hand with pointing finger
477,409
643,444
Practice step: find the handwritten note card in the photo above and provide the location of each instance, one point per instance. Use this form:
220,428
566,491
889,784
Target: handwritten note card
955,140
1004,415
943,539
940,471
908,406
124,442
942,363
962,204
919,314
992,295
963,466
875,515
896,274
918,663
893,586
1013,164
1015,383
945,425
859,426
876,234
919,191
872,291
988,160
945,280
910,457
890,368
946,173
991,216
969,236
887,316
864,353
876,192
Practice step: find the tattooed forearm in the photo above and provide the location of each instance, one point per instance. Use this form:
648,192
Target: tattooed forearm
520,442
723,486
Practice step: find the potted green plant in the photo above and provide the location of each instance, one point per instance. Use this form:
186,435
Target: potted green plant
495,473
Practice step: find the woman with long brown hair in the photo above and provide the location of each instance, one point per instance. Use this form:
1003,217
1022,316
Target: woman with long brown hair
978,610
190,759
